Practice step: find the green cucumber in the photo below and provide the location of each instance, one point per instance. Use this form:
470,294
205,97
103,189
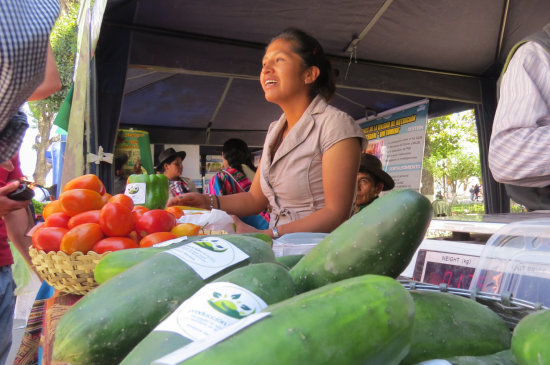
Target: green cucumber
362,320
500,358
118,261
289,261
110,320
381,239
448,325
530,339
271,282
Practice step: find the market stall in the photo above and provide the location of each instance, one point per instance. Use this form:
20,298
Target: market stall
130,48
202,297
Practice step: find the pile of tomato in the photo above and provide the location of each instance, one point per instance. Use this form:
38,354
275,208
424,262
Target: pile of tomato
86,218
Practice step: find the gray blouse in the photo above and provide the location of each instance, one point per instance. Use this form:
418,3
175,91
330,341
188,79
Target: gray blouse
292,179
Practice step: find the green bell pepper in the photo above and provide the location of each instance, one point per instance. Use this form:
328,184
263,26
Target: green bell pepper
148,190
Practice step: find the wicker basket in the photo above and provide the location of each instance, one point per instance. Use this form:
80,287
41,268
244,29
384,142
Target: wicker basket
72,274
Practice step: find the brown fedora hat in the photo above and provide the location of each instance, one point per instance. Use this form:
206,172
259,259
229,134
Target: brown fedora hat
370,164
169,153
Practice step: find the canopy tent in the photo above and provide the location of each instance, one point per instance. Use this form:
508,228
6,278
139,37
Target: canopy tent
187,71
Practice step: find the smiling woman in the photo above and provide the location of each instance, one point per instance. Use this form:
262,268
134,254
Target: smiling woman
311,154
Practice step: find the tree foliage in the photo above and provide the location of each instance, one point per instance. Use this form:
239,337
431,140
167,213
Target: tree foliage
454,152
63,40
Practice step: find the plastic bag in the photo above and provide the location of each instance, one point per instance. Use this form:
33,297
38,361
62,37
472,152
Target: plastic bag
214,220
296,243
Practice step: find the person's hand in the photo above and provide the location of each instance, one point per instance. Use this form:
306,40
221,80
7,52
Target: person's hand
242,227
196,200
8,205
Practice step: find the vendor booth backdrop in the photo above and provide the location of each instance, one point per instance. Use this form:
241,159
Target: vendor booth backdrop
187,71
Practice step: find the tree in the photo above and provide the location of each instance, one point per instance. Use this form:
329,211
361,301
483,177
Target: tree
63,40
454,155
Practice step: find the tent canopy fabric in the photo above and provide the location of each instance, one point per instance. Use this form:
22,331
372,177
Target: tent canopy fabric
194,65
188,71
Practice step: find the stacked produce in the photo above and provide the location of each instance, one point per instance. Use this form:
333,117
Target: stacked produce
86,218
107,323
529,343
382,242
117,262
215,306
448,325
348,309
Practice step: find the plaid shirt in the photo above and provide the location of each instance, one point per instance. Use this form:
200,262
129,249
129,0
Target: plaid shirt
25,26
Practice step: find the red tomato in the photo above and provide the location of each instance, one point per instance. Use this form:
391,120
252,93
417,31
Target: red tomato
81,238
114,244
48,238
105,197
116,220
51,207
175,210
186,229
89,181
57,219
156,220
89,216
138,211
157,237
80,200
123,199
133,236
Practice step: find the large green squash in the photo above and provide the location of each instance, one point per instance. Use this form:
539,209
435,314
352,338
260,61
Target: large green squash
270,282
362,320
381,239
448,325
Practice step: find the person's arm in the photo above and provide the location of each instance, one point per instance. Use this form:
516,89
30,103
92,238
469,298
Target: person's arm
244,204
241,204
340,165
18,224
51,83
518,152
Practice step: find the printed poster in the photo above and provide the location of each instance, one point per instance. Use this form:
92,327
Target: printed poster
397,137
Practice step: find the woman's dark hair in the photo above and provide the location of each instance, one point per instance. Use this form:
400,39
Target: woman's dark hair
310,50
160,167
236,152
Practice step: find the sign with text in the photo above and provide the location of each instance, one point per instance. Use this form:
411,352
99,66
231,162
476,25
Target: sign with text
455,270
397,137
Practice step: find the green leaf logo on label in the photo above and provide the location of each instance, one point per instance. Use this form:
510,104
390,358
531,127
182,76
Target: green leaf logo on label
133,189
230,305
212,246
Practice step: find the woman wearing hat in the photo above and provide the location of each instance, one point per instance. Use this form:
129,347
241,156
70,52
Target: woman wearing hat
371,181
311,154
170,164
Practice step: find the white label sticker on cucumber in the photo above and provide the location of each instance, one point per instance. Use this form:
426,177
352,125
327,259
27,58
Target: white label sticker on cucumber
197,347
170,242
212,308
209,255
136,191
